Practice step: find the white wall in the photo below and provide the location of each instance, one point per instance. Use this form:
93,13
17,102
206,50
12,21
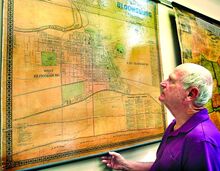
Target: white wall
209,8
144,153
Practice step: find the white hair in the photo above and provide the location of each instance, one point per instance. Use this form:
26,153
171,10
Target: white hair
197,76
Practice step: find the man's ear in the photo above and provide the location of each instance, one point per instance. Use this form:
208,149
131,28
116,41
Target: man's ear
193,93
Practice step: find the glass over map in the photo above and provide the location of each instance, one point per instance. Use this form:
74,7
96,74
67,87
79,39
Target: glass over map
199,42
79,78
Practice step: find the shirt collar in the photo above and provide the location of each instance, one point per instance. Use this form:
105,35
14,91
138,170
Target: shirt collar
196,119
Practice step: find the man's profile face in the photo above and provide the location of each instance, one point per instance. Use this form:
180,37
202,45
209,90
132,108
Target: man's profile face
173,92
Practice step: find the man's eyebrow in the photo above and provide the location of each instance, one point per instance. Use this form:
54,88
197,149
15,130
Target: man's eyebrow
171,77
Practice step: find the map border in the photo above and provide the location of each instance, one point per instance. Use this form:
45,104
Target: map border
1,27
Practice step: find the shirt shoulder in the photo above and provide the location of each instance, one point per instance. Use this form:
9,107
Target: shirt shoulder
204,132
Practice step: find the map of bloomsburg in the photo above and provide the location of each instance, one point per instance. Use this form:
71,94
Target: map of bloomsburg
79,78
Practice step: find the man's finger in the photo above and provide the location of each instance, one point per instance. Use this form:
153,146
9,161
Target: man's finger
114,154
105,161
109,165
106,157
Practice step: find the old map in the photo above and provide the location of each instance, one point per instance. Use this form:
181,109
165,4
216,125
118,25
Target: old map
79,78
200,41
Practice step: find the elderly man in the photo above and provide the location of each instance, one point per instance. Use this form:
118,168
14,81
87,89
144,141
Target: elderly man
191,142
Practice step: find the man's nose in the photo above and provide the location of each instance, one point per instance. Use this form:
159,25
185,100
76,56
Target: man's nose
163,84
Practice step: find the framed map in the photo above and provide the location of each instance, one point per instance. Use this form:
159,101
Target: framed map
79,78
199,38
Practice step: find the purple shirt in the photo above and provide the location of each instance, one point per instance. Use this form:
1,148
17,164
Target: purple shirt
195,146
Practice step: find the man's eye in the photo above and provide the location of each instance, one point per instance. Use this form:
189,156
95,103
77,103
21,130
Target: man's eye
171,81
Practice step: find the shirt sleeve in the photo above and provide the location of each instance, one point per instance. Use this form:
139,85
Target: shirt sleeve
201,156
